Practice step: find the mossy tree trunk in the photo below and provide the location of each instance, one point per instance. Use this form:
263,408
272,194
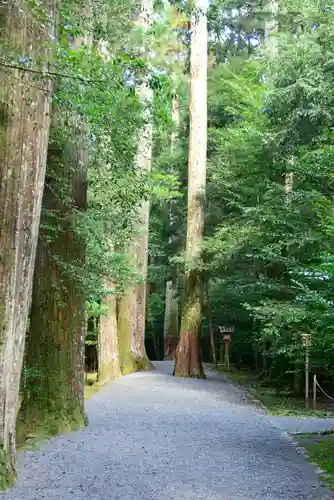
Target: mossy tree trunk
53,401
132,306
188,353
25,100
109,368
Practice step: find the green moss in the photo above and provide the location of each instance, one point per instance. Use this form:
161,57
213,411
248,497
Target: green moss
44,424
7,469
33,435
142,364
108,372
126,360
128,363
132,365
320,449
92,386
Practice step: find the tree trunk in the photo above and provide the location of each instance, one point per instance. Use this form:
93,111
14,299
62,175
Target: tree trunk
54,400
188,354
171,324
132,307
211,328
288,182
271,27
109,368
25,100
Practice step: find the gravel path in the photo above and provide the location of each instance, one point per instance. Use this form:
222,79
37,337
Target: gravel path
154,437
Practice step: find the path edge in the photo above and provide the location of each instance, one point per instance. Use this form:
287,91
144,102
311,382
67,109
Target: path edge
260,407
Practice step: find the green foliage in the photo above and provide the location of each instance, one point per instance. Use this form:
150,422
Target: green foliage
270,251
95,100
267,253
320,449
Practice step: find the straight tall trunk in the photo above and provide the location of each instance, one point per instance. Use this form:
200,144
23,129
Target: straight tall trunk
188,353
25,100
109,368
171,322
53,402
271,27
108,356
132,306
211,327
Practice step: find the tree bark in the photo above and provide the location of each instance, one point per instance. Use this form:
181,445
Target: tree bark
25,100
171,323
109,367
211,327
271,27
188,353
54,401
132,306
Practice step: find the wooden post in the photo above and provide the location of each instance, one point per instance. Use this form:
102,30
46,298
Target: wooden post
306,337
226,340
221,343
307,390
225,337
314,392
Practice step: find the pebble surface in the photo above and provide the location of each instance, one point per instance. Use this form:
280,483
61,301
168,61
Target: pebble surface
155,437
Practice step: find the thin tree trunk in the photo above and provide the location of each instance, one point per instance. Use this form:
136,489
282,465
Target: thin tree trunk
171,322
109,368
288,182
271,41
25,100
188,354
171,326
271,27
132,307
211,328
108,355
54,402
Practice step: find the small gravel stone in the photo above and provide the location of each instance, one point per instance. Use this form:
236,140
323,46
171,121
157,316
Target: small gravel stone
155,437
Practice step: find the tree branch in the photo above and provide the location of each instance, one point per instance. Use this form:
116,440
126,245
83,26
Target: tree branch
50,73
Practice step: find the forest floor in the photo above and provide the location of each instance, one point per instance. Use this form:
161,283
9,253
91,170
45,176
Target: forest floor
155,437
282,402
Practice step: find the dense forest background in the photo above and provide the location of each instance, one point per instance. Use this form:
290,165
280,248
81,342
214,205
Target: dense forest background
98,166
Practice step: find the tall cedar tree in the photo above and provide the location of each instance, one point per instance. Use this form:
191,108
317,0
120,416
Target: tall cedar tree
55,342
25,99
171,320
188,354
132,306
108,365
